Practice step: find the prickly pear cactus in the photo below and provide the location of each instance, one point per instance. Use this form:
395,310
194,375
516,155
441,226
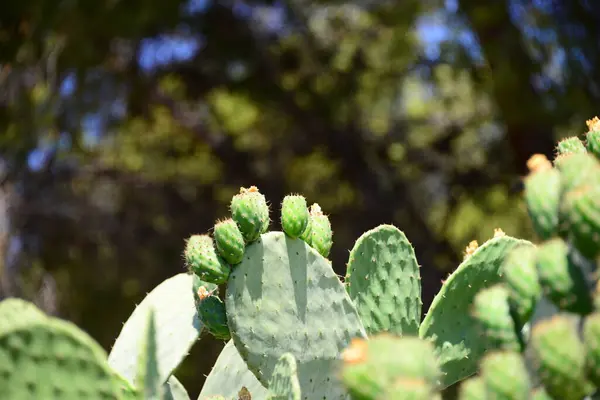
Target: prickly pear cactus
454,330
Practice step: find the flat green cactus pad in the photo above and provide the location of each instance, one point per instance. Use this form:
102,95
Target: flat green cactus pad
384,282
449,321
177,328
51,358
285,297
15,311
229,374
174,390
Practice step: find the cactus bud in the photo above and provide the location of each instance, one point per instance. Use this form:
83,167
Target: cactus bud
229,241
211,312
593,136
492,312
294,215
250,212
202,259
321,234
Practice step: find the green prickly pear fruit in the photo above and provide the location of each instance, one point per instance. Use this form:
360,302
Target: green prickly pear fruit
591,340
571,145
472,389
202,259
294,215
521,279
593,136
576,169
307,234
229,241
542,196
505,376
410,389
562,281
491,309
371,366
321,234
211,311
250,212
560,358
582,214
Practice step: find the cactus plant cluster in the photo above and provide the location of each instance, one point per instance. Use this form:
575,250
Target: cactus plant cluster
295,330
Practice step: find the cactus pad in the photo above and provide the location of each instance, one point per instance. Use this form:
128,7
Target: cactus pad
51,358
449,323
202,259
15,311
384,282
284,384
230,374
593,136
229,241
294,215
285,297
177,328
174,390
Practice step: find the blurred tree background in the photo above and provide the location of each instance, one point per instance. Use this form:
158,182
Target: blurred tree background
126,126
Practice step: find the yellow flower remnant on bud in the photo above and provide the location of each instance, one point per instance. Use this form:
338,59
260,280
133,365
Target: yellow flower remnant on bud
470,249
356,352
251,189
498,232
315,209
203,293
593,124
538,162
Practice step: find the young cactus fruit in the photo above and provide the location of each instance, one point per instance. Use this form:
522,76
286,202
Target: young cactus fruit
321,238
491,310
542,195
591,340
371,367
211,311
472,389
229,241
593,136
582,214
571,145
560,358
250,211
294,215
562,281
505,376
521,280
202,259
